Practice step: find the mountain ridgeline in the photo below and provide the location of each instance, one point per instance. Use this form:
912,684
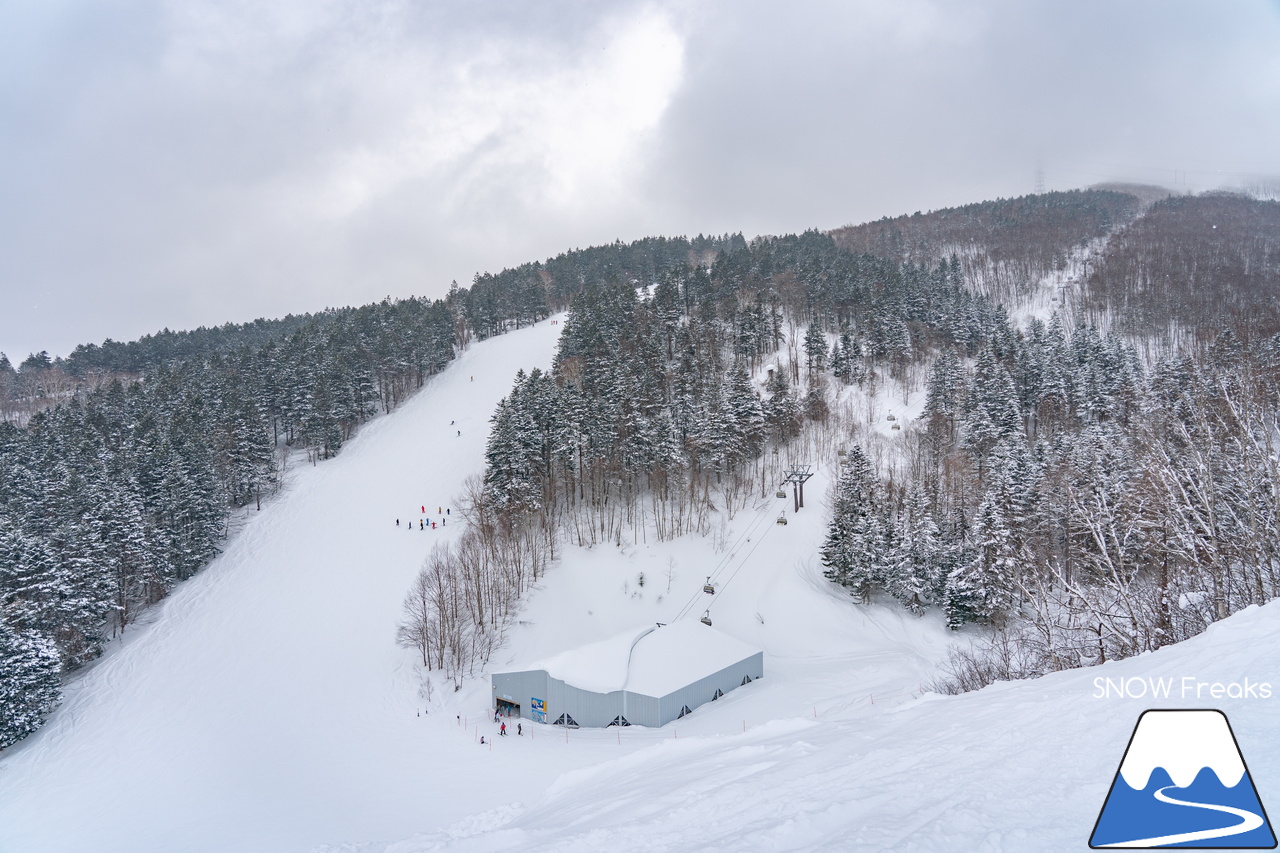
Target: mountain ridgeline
1093,483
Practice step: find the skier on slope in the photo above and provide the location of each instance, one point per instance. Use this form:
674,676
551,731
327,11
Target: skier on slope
519,730
503,731
397,522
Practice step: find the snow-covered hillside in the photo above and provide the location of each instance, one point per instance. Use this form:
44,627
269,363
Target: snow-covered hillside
265,707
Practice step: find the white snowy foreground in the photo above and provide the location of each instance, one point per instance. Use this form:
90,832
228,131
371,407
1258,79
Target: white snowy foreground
1017,767
265,706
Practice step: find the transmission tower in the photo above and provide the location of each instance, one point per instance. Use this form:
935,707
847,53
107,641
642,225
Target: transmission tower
1039,179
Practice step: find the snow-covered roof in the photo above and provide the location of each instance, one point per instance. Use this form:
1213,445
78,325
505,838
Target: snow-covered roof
652,660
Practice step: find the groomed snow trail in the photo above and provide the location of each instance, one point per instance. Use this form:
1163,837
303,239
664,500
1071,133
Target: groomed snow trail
266,706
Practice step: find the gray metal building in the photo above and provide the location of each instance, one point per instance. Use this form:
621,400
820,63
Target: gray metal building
645,677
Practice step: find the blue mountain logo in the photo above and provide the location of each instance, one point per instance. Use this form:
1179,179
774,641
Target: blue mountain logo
1183,783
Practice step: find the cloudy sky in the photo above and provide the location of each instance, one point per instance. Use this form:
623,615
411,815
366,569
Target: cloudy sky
185,162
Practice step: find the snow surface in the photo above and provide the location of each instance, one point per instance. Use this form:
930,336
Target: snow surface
651,660
1183,743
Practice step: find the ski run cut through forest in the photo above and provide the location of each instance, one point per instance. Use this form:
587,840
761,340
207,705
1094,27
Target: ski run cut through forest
1020,480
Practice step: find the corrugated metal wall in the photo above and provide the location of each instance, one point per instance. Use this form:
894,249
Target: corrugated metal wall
704,689
589,708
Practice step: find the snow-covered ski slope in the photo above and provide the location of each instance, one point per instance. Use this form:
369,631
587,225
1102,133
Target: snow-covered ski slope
265,706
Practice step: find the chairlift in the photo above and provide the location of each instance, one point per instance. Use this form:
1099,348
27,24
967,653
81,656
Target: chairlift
842,453
709,588
782,519
781,493
896,426
706,618
891,418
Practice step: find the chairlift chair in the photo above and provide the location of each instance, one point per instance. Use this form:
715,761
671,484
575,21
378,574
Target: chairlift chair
706,618
782,519
781,493
709,588
842,453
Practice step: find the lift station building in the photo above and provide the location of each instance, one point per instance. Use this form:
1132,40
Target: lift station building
643,677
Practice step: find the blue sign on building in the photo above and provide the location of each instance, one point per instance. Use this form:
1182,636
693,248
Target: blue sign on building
539,709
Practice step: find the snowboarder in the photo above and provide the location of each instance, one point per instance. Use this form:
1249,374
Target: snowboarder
433,525
397,522
421,525
446,511
439,510
482,740
459,432
424,510
503,731
453,423
519,729
443,522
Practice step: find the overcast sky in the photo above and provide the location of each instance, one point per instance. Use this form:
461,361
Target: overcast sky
180,162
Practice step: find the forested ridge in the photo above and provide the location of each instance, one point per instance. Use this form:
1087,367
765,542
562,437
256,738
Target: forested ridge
120,465
1088,486
1091,484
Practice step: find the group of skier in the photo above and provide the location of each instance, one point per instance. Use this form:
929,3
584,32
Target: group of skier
444,512
502,728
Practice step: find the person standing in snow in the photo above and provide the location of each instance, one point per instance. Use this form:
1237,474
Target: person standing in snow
519,729
422,524
397,522
482,740
503,731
